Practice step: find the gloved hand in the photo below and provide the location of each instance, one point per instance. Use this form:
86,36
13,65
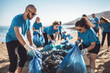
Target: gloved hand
30,50
83,51
33,46
77,42
53,42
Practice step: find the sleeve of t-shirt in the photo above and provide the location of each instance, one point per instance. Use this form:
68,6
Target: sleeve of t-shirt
49,31
96,19
92,36
33,25
16,22
28,25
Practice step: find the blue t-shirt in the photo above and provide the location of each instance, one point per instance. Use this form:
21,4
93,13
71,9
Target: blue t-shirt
96,24
89,37
37,26
60,29
18,21
49,30
106,27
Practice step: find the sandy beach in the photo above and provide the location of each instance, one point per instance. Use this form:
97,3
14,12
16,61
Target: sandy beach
102,61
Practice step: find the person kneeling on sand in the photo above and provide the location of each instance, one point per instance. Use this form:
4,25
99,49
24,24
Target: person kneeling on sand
91,42
15,39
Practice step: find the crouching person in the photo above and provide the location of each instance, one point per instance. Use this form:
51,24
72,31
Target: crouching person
90,39
14,39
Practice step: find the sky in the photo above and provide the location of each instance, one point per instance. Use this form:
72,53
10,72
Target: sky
51,10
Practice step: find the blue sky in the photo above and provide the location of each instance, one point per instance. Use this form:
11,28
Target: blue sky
51,10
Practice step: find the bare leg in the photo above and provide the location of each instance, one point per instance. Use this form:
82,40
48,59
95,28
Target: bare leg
20,69
92,61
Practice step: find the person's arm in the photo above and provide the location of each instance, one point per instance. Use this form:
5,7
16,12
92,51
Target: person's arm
19,36
55,36
34,29
29,37
42,30
48,36
79,39
101,28
91,46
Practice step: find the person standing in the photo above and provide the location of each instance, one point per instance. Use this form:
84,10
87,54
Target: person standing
60,30
49,32
96,23
91,42
37,26
105,26
15,39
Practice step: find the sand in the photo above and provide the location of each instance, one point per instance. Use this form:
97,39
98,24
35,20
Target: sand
102,61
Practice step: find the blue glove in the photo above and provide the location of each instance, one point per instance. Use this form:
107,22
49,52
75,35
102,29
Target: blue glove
83,51
77,42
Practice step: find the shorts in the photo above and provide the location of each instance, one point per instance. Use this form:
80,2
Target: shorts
95,50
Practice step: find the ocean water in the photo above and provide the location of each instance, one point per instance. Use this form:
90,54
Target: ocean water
4,30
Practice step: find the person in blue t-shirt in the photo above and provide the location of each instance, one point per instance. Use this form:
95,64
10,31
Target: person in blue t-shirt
37,26
60,30
48,33
96,23
105,26
15,39
90,41
84,15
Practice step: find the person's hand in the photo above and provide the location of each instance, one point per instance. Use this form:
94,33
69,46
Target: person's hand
77,42
32,53
30,50
53,42
33,46
83,51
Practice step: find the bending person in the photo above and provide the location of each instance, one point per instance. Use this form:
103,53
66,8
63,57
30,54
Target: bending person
48,32
15,39
90,42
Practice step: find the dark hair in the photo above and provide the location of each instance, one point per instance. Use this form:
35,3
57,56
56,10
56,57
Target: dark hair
93,14
55,23
84,22
84,15
60,22
30,6
105,19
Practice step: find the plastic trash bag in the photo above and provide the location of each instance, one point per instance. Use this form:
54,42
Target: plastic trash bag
64,42
73,62
70,37
48,47
60,46
38,40
35,65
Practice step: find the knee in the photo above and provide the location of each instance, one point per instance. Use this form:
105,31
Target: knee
22,60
